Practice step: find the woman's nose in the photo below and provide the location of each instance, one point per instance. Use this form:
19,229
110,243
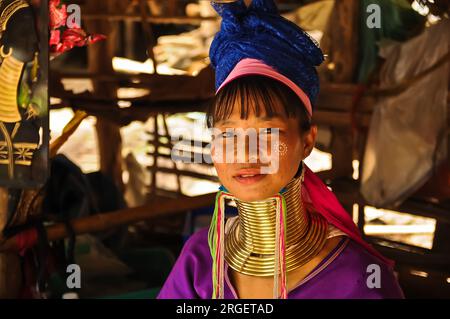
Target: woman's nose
247,149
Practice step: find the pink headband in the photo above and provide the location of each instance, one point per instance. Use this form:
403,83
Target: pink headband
256,67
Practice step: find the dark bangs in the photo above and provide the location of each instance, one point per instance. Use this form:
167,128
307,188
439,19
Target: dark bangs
259,95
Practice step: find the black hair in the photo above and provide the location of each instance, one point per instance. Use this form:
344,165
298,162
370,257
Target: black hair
255,92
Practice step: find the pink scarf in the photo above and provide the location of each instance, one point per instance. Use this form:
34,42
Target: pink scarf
326,204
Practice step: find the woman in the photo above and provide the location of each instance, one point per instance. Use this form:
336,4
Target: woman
291,238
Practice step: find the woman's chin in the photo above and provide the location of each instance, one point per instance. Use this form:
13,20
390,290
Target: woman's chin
249,196
255,191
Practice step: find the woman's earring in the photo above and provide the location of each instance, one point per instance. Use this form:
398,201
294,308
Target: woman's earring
300,171
3,54
302,167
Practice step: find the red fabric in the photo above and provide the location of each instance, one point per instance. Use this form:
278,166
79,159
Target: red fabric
326,203
57,14
63,38
75,37
26,240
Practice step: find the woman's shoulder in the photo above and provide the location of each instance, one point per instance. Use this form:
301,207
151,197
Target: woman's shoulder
366,275
199,237
197,244
357,256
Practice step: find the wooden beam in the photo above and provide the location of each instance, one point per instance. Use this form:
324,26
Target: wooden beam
155,20
107,221
137,112
161,86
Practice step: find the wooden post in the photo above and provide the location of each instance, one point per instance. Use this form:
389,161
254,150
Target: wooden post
173,7
148,33
154,167
129,35
100,62
344,32
344,54
441,241
110,150
3,208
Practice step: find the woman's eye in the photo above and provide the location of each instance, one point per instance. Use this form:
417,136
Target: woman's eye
226,134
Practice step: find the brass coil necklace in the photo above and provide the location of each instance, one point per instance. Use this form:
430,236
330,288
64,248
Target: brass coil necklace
250,243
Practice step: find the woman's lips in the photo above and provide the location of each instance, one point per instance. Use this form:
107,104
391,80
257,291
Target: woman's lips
249,176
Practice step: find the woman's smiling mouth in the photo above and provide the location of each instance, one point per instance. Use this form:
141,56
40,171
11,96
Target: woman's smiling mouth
249,176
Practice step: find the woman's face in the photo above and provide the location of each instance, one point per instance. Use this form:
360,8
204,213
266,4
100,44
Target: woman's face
248,177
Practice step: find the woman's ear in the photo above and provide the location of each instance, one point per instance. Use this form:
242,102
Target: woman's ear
213,152
309,140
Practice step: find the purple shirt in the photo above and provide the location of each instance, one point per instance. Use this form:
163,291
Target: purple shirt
343,274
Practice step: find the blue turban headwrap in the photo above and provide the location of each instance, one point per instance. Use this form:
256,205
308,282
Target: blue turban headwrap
260,32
